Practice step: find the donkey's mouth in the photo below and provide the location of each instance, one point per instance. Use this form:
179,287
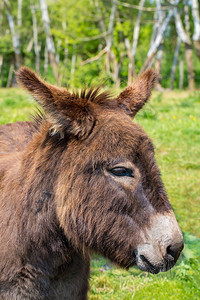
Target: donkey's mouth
150,268
145,265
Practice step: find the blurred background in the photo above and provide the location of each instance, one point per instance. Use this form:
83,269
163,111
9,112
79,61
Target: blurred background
91,41
74,43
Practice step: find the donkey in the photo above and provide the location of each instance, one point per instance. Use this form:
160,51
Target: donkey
80,178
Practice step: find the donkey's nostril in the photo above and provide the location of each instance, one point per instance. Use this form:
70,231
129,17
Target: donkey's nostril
174,250
170,253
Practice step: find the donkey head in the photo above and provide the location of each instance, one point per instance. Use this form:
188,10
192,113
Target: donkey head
109,194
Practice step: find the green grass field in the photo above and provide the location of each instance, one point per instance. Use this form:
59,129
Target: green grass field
172,120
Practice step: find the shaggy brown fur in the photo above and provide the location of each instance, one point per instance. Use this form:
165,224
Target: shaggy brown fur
82,178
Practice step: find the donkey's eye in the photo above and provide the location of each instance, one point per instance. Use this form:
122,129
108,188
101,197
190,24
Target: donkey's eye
122,171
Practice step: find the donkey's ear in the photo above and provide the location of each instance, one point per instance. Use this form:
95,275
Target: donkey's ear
136,95
66,112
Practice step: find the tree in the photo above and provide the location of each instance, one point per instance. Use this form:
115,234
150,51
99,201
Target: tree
117,38
184,35
132,51
14,33
49,39
35,37
196,19
175,61
153,48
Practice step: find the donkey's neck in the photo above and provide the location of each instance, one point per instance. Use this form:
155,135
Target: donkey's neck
38,248
39,172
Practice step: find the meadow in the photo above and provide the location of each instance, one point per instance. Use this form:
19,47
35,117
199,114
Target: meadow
172,120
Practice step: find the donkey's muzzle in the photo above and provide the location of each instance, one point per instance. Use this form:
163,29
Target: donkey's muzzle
150,264
161,245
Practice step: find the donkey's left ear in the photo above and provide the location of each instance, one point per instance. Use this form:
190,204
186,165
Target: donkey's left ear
136,95
65,112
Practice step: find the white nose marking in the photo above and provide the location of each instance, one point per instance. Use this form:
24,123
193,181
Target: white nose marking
162,241
162,232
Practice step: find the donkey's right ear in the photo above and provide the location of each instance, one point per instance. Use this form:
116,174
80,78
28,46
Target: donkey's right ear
65,112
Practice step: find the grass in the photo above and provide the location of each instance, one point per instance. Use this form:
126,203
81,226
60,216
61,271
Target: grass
172,120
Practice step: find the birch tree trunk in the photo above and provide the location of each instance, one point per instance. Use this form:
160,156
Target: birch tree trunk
19,14
19,20
175,61
188,50
101,21
159,37
110,34
155,42
131,61
196,19
46,60
49,39
158,64
153,48
155,28
73,66
15,36
181,74
10,76
1,34
135,38
116,69
35,38
66,50
190,66
159,56
184,35
1,70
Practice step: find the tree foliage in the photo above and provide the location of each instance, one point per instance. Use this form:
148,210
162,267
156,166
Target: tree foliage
80,32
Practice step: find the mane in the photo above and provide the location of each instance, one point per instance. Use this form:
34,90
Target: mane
95,95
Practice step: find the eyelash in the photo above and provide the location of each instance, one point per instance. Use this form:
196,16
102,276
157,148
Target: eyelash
122,171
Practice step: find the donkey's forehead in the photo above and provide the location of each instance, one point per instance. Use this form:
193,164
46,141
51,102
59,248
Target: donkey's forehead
124,127
117,134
